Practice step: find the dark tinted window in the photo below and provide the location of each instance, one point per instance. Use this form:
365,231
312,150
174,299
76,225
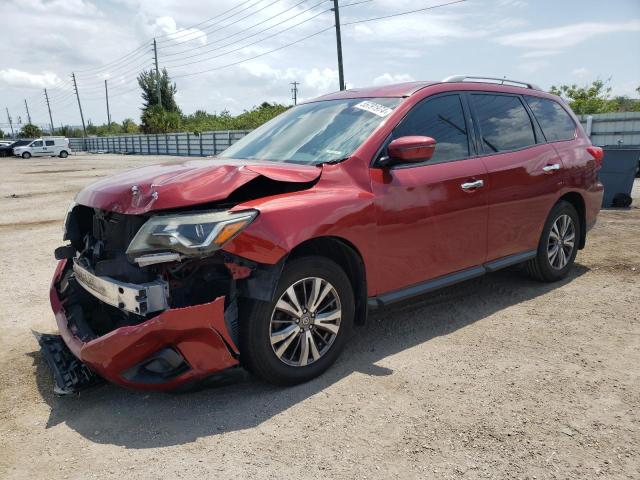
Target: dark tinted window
555,121
504,122
48,142
442,119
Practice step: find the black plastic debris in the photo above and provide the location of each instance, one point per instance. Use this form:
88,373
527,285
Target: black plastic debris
70,374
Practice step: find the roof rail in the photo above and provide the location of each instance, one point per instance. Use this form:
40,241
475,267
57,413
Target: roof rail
480,79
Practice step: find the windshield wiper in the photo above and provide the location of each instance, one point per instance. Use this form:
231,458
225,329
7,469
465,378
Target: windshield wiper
333,162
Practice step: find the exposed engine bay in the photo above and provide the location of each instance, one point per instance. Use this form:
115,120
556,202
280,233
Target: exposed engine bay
99,241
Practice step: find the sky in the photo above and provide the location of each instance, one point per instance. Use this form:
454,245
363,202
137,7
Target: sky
238,59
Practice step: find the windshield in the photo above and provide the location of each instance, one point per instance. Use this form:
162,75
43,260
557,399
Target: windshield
314,133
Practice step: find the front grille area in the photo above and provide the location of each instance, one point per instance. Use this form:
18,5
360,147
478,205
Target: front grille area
102,239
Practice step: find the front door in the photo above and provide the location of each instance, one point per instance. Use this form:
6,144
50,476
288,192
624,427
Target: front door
37,148
431,217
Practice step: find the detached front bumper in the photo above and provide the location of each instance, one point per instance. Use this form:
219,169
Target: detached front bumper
174,348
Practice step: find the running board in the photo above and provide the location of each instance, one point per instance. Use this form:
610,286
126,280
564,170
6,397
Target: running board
448,280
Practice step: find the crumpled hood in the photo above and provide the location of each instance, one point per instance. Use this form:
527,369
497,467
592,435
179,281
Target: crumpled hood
174,185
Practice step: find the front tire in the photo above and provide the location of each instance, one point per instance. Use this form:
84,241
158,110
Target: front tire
558,245
26,155
300,334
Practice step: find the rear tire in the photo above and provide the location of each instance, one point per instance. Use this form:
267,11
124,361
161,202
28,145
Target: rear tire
26,155
63,154
286,348
558,244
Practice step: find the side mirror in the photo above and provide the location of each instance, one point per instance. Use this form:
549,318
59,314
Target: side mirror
413,149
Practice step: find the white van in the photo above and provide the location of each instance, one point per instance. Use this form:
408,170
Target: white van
45,147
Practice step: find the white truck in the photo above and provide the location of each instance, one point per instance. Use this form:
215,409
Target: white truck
44,147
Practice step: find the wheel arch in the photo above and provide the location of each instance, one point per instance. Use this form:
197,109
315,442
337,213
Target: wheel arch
347,256
577,201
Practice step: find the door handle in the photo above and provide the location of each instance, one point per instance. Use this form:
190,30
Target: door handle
472,185
551,168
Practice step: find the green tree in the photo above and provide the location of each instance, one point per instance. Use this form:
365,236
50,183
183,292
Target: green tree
1,133
148,81
129,126
30,131
588,99
156,119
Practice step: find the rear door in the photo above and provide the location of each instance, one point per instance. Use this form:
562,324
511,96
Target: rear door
431,217
524,172
50,147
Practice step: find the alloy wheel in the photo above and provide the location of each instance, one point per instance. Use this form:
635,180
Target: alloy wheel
305,321
561,242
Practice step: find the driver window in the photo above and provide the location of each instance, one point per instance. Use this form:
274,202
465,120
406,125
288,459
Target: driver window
441,118
37,144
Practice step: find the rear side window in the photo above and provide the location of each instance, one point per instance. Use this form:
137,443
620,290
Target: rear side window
555,121
49,142
504,122
442,119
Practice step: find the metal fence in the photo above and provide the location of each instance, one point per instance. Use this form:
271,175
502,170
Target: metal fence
608,129
183,144
605,129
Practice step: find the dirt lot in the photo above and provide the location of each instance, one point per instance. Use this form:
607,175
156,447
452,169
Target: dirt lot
500,377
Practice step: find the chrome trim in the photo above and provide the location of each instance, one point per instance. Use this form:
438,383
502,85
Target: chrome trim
551,168
478,79
472,185
153,258
139,299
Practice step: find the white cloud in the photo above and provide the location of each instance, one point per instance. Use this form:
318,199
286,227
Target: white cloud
566,36
322,80
387,78
533,66
427,29
540,53
180,35
68,7
513,3
580,72
18,78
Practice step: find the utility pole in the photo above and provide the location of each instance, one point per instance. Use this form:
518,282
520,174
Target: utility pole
46,96
75,86
10,123
336,13
155,56
27,107
106,94
294,92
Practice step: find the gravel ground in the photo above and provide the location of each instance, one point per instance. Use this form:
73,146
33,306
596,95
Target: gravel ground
499,377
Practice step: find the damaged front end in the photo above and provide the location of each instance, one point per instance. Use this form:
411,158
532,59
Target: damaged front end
148,301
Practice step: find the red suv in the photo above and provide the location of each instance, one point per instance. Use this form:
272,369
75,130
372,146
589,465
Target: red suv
267,255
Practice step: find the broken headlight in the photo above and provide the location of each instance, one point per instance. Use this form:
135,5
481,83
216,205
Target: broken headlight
189,234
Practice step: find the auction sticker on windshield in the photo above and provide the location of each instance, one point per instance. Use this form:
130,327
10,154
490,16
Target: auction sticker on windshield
374,108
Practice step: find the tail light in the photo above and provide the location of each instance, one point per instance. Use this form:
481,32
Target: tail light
597,153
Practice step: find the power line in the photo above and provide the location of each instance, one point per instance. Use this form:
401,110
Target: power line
173,35
172,54
169,64
255,56
433,7
106,65
355,3
187,31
